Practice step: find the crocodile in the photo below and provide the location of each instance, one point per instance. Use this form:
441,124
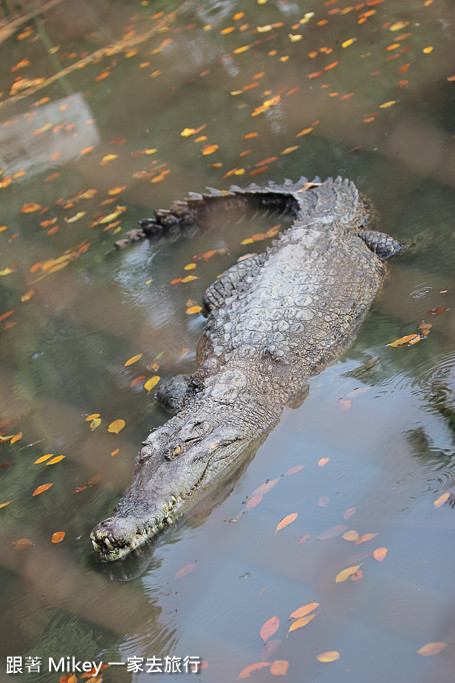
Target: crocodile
274,320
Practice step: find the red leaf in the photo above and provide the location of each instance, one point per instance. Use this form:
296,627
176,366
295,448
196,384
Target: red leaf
248,670
279,667
253,501
293,470
185,570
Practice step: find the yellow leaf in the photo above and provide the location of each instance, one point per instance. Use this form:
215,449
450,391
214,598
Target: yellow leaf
346,573
112,216
116,426
304,610
348,42
3,505
43,458
190,266
305,131
303,621
133,359
329,656
428,50
408,339
75,218
430,649
92,417
95,423
385,105
16,437
193,309
190,278
28,295
286,521
150,383
117,190
288,150
295,37
108,157
350,535
7,271
442,499
55,460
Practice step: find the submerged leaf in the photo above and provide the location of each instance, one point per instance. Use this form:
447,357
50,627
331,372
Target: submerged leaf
346,573
303,621
329,656
304,610
248,670
279,667
433,648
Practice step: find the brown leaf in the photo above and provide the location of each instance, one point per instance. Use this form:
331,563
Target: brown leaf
430,649
94,480
248,670
269,628
440,309
286,521
41,489
279,667
31,207
22,543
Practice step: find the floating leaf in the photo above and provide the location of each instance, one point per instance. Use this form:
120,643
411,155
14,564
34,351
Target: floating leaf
3,505
114,452
31,207
269,628
323,501
185,570
442,499
440,309
58,537
116,426
108,157
89,418
299,623
348,42
288,150
351,535
16,437
279,667
209,149
344,404
323,461
408,339
76,217
133,359
265,488
55,460
190,278
286,521
95,423
28,295
430,649
349,512
304,610
357,576
137,380
41,489
193,309
253,501
329,656
150,383
43,458
248,670
293,470
386,105
94,480
346,573
380,553
189,266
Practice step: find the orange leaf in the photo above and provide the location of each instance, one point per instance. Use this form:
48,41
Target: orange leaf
58,537
94,480
248,670
116,426
190,278
6,315
92,417
440,309
55,460
3,505
209,149
351,535
279,667
303,621
380,553
329,656
349,512
270,627
189,266
41,489
365,537
133,359
430,649
323,501
43,458
185,570
408,339
193,309
346,573
294,470
30,208
16,437
114,452
86,150
442,499
304,610
286,521
323,461
253,501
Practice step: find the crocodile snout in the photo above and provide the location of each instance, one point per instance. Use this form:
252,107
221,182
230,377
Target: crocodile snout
115,534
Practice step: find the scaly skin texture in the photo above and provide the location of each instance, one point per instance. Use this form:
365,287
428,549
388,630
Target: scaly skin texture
274,321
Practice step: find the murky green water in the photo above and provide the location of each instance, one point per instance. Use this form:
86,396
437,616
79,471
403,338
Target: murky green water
95,97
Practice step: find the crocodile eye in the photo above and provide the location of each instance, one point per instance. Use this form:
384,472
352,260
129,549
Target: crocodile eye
174,451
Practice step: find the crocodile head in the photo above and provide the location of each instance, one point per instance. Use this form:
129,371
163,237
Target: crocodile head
170,474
